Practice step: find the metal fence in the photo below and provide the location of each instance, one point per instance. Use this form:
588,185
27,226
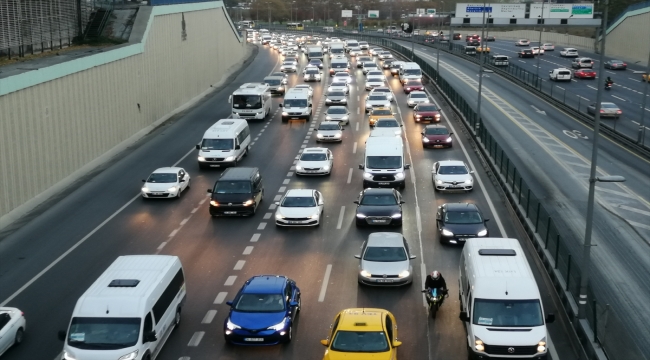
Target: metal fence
610,332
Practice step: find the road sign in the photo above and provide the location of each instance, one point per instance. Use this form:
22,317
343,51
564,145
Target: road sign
346,13
373,14
498,10
431,11
562,11
419,11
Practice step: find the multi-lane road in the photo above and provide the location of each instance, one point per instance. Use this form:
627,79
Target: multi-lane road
50,261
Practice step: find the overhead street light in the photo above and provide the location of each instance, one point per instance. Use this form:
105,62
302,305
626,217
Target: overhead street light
480,69
539,50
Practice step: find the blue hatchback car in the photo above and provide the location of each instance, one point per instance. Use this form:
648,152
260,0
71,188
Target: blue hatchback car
263,312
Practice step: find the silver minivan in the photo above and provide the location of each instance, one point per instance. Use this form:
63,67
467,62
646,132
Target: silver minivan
500,60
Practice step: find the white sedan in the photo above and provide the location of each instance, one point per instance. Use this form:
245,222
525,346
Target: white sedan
385,55
375,81
167,182
342,76
376,73
569,52
537,50
385,90
339,86
522,42
452,175
299,207
12,328
548,47
315,161
289,66
387,123
417,97
329,131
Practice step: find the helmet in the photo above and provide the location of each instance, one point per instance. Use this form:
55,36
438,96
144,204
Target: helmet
435,275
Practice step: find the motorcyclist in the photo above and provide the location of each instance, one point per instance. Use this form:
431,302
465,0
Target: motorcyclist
609,81
435,281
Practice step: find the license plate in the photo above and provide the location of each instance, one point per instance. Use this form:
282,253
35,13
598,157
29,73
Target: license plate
213,165
230,212
437,146
383,183
384,280
428,118
293,222
253,339
378,221
294,118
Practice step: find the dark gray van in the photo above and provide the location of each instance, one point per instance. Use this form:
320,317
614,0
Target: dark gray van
238,192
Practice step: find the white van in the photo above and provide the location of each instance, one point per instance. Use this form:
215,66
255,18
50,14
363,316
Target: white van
296,105
251,101
410,71
349,44
314,52
500,60
224,143
500,301
129,311
384,162
337,48
328,29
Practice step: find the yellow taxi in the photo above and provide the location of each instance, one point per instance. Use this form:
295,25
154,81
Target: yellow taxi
483,48
645,77
362,334
380,113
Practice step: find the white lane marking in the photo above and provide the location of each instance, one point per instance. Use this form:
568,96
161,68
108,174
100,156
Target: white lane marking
326,279
306,142
220,297
196,338
589,86
357,126
636,224
230,280
350,175
559,87
204,200
286,181
611,72
273,206
340,222
195,210
293,167
255,237
67,252
209,316
261,226
354,148
173,233
358,111
619,98
184,221
162,245
634,80
583,98
239,265
290,173
282,189
277,198
267,216
302,147
248,250
638,211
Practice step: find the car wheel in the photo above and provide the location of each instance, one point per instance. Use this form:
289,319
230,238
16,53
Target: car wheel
189,184
20,334
146,357
299,307
177,318
290,334
180,191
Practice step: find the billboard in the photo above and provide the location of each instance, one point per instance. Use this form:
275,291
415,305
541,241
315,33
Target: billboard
373,14
419,11
498,10
346,13
431,11
562,11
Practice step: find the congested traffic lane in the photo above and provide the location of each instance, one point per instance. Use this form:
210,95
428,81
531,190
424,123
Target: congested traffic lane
212,250
552,153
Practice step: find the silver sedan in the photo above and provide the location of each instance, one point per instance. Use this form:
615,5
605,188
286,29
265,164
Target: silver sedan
385,259
607,109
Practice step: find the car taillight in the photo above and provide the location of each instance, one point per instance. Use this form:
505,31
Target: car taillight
619,111
602,111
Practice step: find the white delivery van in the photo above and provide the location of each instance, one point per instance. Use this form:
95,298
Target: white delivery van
410,71
224,143
296,105
384,162
128,312
559,74
337,48
500,302
314,52
349,44
251,101
500,60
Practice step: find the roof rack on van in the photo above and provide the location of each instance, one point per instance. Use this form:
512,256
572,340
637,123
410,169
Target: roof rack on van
497,252
124,283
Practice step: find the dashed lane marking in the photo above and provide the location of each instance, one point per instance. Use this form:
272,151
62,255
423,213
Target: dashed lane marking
255,237
209,316
221,296
248,250
326,279
282,189
340,222
286,181
290,173
239,265
196,338
230,280
354,148
261,226
350,175
173,233
267,216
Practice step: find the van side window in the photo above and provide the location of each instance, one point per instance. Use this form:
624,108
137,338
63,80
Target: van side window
148,324
167,297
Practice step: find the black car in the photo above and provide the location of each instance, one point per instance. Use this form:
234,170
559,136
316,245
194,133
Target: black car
490,38
473,42
456,222
615,65
386,64
526,53
379,207
316,62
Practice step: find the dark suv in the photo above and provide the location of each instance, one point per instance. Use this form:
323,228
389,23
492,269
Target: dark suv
238,192
456,222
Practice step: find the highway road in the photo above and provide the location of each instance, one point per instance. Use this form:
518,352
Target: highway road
50,261
553,152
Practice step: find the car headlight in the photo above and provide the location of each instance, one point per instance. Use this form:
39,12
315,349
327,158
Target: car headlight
408,88
232,326
404,274
541,346
446,232
399,176
214,203
418,116
201,158
396,216
364,273
314,217
478,344
410,102
298,167
320,136
172,189
279,326
326,167
337,135
469,181
279,216
439,182
284,113
249,203
129,356
482,233
229,158
424,139
367,176
448,139
145,189
361,216
328,100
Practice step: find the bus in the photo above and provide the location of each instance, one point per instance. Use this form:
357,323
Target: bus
295,26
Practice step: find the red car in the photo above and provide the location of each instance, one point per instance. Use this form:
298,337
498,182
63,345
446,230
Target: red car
584,74
413,85
436,136
426,112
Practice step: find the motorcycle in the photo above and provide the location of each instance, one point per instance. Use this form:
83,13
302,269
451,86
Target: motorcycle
434,300
608,85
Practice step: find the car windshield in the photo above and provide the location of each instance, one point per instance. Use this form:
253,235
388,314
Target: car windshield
413,72
259,303
507,313
382,112
384,162
313,157
273,82
436,131
233,187
337,111
418,96
452,170
369,64
384,254
162,178
343,75
311,71
387,123
247,101
298,201
360,341
103,333
328,127
375,79
463,217
338,84
378,200
377,98
335,93
297,103
315,62
427,108
288,63
278,74
217,144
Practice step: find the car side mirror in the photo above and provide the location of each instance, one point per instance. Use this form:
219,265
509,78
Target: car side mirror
61,334
471,172
357,256
229,303
293,303
402,202
397,343
149,337
486,220
324,342
144,181
277,203
407,166
209,191
356,201
279,105
182,180
361,166
550,318
450,134
463,316
412,257
309,105
198,147
237,147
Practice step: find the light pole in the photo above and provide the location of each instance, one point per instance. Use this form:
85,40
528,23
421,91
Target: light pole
291,13
641,138
268,3
313,10
412,43
539,51
586,250
480,69
439,41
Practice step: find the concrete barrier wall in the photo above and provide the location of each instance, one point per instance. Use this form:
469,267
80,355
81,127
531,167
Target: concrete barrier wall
60,122
559,40
628,39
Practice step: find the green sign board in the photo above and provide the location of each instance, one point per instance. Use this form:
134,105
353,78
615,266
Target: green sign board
431,11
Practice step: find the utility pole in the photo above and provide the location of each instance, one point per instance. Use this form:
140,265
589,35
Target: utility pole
268,3
641,138
480,69
541,28
439,40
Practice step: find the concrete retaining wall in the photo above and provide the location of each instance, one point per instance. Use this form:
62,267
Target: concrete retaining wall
559,40
60,122
628,38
